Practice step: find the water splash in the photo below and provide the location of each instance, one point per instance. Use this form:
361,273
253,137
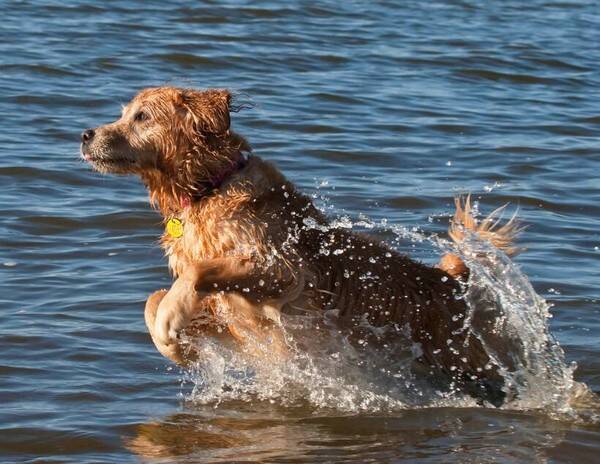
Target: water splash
511,320
504,313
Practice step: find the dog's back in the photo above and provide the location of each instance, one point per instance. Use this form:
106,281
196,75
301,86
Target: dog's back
371,285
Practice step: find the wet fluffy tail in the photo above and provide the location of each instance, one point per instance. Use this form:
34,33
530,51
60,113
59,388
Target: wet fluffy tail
502,236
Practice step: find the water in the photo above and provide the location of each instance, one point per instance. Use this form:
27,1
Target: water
376,109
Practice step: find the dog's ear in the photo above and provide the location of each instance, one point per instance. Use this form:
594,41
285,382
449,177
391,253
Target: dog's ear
208,110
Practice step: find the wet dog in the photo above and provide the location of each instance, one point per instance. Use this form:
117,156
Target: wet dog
246,246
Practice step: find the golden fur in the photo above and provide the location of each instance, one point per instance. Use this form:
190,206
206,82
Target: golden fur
254,247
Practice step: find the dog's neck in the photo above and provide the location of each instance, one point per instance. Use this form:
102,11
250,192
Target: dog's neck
171,199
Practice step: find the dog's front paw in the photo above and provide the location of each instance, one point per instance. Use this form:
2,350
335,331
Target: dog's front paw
172,351
170,321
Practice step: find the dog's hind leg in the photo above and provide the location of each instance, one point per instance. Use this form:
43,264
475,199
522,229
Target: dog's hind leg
501,236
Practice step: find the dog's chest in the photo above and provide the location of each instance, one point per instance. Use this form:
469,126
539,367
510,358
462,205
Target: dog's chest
188,246
208,239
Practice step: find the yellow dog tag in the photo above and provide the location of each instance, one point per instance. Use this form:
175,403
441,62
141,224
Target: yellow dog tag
174,227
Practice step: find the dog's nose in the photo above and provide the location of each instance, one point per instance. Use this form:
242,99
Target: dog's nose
87,135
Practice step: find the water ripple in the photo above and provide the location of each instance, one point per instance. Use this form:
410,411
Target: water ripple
373,108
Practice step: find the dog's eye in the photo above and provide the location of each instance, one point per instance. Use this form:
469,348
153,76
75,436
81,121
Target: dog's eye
140,116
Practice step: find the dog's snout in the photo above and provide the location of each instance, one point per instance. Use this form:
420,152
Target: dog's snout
87,135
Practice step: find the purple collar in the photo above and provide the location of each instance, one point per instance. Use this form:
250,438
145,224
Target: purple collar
207,187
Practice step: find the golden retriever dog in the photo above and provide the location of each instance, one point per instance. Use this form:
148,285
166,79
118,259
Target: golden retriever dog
246,246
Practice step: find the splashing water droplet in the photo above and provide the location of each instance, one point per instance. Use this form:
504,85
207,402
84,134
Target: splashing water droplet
328,370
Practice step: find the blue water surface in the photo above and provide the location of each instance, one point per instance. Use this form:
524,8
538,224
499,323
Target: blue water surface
386,108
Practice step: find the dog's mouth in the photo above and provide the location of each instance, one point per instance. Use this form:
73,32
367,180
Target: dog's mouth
107,163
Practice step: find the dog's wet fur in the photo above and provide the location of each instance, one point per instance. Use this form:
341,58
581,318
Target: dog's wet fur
254,247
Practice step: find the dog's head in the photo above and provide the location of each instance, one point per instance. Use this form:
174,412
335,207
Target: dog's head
178,134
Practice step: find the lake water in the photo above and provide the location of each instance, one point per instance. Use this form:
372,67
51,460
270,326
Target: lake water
385,109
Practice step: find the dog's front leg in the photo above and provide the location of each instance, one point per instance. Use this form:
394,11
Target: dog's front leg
251,293
175,312
171,351
182,302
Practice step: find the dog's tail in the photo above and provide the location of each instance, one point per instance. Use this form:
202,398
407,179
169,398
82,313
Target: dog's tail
502,236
